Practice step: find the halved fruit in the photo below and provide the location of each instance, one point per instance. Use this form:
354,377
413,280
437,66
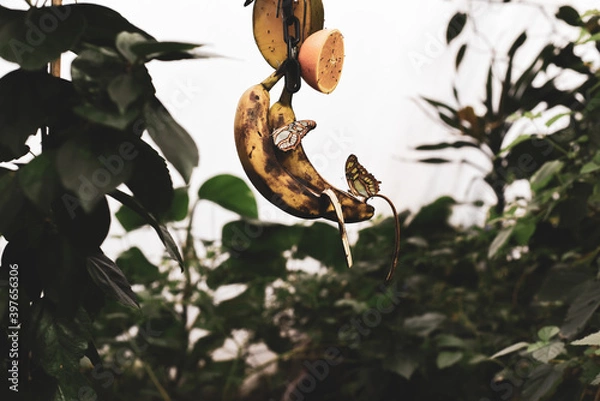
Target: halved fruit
267,26
321,59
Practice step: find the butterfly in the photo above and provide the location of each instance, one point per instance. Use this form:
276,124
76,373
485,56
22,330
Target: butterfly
361,182
288,136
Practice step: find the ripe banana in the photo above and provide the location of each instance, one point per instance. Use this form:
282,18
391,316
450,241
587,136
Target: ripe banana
258,156
297,164
267,26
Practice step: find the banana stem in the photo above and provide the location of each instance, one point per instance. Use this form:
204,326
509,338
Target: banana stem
397,239
286,98
341,225
272,79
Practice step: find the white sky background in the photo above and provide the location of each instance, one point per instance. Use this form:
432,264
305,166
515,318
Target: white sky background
395,52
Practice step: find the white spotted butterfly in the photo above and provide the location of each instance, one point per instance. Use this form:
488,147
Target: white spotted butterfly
288,137
361,182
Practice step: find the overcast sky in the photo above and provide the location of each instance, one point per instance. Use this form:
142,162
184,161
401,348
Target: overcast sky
395,52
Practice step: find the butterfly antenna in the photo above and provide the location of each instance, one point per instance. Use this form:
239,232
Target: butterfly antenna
341,225
397,240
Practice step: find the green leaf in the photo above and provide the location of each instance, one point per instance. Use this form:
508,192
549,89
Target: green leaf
161,230
523,231
582,309
592,339
455,26
510,349
230,192
449,341
460,55
445,359
321,241
28,101
546,333
569,15
129,219
179,206
102,25
500,241
544,175
39,181
134,265
424,324
256,236
59,342
94,164
446,145
110,279
542,381
124,90
548,352
149,181
163,50
176,144
35,37
557,117
589,167
403,363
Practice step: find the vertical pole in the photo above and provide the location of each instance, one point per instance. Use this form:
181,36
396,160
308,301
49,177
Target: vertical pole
55,64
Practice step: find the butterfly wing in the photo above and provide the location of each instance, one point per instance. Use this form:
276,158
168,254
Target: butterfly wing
361,182
288,137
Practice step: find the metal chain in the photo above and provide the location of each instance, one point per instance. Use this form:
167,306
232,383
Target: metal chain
291,66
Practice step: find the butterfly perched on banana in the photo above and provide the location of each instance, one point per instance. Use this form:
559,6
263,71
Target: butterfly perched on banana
361,182
288,137
364,184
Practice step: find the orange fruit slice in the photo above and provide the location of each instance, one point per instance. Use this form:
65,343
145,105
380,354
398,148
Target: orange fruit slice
321,59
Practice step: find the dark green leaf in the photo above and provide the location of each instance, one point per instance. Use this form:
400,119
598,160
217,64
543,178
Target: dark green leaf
544,174
245,267
134,265
445,359
95,164
523,231
230,192
434,160
582,308
425,324
109,118
160,229
35,37
86,229
110,279
39,181
321,241
455,26
500,241
28,101
150,181
542,381
446,145
403,363
179,206
176,144
569,15
60,342
129,219
163,50
257,236
102,24
460,55
11,200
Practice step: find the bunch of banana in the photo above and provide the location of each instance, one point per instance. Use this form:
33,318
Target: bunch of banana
286,179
